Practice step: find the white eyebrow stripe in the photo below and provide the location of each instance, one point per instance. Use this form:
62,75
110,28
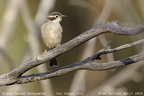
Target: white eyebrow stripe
51,16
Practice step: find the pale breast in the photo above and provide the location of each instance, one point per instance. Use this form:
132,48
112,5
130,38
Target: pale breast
51,34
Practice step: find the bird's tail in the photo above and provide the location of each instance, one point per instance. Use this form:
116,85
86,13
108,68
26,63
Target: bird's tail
53,62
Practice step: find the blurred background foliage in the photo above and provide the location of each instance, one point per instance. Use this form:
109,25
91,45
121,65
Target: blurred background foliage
20,22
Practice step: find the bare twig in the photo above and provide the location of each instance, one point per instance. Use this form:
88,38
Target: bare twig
44,8
8,59
8,22
15,76
106,11
111,84
87,64
33,35
79,78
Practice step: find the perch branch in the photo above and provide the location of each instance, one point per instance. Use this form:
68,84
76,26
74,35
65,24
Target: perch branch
87,64
16,75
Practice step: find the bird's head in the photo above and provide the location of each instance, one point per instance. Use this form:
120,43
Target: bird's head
55,17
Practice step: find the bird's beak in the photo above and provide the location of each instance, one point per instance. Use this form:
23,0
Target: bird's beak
64,16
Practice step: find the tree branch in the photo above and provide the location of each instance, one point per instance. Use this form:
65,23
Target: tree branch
16,77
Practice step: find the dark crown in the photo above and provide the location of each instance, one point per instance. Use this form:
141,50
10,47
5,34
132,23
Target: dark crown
55,13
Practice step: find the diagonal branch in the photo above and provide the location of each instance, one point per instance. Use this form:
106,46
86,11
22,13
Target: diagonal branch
15,76
88,64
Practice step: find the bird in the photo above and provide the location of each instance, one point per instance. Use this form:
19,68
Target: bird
51,32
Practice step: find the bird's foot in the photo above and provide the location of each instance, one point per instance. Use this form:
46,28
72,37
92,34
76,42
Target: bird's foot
45,52
58,45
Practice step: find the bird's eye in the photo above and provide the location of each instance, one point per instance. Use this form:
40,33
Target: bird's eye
56,16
